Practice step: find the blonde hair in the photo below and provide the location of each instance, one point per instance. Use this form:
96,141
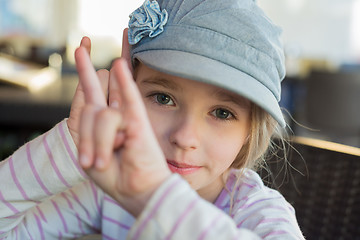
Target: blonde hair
263,128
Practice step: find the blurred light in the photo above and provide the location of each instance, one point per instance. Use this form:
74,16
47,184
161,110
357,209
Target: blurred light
295,5
355,28
103,21
42,79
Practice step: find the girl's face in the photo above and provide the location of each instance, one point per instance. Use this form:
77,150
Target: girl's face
200,128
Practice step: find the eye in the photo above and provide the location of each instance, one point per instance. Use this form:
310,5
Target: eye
162,99
222,114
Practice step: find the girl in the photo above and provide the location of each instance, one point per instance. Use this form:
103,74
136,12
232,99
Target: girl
171,156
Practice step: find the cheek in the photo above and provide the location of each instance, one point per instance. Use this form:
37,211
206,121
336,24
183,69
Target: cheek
159,124
224,148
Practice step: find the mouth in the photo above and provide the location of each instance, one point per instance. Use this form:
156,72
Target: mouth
182,169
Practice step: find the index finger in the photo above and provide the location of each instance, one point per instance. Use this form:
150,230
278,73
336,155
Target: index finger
86,43
88,78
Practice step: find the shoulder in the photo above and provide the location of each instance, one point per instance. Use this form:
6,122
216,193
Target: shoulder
257,207
247,189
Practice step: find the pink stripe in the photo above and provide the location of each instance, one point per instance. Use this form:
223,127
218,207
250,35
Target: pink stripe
10,206
212,224
79,223
53,164
33,169
76,213
221,198
256,202
278,208
14,216
279,232
67,200
274,220
248,185
16,181
244,199
41,214
16,232
105,218
108,199
240,223
181,218
74,196
60,235
61,216
104,236
68,149
156,207
79,202
94,191
38,222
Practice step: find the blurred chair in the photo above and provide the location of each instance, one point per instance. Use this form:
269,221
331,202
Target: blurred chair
332,105
322,181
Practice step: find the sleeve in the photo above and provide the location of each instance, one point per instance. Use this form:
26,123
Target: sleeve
177,212
41,189
264,210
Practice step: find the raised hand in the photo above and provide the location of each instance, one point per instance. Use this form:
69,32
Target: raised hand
109,88
78,102
118,148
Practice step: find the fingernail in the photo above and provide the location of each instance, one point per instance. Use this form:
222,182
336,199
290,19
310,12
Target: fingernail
114,104
99,163
84,160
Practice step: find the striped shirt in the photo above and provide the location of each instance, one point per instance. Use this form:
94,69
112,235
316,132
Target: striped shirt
44,194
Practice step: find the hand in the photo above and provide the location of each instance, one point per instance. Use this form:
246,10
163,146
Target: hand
118,148
78,102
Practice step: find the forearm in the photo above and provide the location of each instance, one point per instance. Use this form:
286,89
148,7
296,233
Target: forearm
177,212
36,171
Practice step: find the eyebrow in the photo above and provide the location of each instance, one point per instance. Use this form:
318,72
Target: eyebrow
162,82
220,94
226,96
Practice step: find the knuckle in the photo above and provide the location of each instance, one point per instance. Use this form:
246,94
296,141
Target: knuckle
105,115
102,73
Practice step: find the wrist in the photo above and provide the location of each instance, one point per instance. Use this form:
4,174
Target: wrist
135,204
73,133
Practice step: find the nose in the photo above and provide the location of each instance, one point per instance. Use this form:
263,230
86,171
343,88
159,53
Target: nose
185,133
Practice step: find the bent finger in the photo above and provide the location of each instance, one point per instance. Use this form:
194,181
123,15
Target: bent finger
108,124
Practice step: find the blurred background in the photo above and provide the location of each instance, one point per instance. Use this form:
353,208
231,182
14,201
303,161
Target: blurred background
320,94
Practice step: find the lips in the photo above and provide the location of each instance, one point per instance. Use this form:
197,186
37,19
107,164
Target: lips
181,168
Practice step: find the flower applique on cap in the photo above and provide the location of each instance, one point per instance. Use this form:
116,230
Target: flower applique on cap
147,20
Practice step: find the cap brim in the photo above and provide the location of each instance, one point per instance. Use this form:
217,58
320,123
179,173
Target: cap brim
203,69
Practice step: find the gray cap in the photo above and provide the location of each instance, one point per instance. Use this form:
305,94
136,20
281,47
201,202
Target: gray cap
230,44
